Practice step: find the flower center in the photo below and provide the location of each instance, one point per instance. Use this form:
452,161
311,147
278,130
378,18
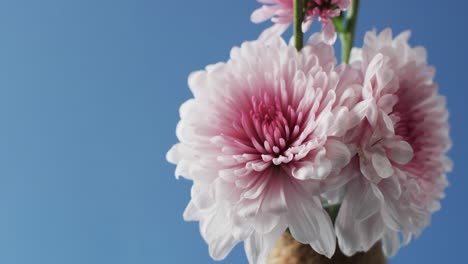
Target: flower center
321,5
272,124
404,126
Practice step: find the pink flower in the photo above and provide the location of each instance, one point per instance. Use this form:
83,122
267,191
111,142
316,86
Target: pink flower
281,13
258,139
401,143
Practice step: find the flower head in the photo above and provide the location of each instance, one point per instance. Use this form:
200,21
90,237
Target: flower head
401,144
258,139
280,12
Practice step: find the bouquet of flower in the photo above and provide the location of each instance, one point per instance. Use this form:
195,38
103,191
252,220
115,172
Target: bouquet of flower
281,139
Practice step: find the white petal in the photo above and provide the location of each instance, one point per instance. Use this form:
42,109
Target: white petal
386,123
220,248
343,121
302,221
226,191
339,180
355,236
249,208
310,224
192,213
400,152
197,82
182,169
306,25
202,174
347,230
372,230
215,229
323,170
261,14
202,198
326,242
360,109
264,222
372,113
382,165
305,171
338,153
173,155
275,199
257,189
258,246
367,169
329,34
387,102
391,217
368,204
391,187
374,66
390,243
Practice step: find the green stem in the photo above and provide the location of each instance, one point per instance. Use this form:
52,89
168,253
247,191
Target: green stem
298,18
347,32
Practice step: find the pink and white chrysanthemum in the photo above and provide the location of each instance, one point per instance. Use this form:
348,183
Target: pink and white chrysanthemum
280,12
257,140
401,146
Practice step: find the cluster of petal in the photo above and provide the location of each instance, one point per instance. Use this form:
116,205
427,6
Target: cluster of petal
401,143
280,12
273,135
258,140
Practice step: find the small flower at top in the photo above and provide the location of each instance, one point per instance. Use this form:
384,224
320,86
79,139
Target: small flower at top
280,12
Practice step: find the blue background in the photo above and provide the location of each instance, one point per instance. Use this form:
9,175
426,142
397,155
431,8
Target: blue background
89,97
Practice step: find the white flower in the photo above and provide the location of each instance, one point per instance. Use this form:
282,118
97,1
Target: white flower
258,140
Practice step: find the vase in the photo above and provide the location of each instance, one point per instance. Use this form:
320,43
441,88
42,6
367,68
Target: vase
289,251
